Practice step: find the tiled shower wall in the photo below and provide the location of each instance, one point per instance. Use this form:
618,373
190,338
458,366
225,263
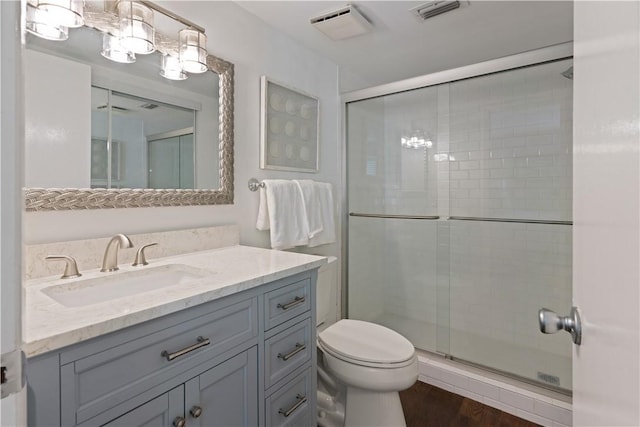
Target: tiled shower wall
501,149
510,144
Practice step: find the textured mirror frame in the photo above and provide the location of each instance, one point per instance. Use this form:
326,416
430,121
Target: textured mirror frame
46,199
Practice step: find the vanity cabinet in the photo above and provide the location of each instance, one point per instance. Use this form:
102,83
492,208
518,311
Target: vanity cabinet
224,395
155,413
246,359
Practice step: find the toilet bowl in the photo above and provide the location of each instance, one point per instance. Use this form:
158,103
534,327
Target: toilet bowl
373,363
361,365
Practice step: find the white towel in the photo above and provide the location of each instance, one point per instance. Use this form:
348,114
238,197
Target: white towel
262,223
287,217
328,233
310,196
318,198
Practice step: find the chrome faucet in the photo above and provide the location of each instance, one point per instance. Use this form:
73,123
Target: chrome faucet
110,260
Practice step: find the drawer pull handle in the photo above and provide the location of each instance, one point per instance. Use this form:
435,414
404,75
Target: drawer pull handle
301,401
179,422
298,349
296,301
201,343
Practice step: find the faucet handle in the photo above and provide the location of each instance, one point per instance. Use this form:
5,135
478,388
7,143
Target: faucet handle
71,267
140,258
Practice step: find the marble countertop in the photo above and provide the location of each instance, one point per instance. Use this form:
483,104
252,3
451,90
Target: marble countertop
49,325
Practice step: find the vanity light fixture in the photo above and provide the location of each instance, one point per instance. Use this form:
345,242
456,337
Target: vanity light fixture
136,27
65,13
112,49
127,28
171,68
193,51
38,24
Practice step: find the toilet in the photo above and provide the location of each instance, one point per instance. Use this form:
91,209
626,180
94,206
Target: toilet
361,365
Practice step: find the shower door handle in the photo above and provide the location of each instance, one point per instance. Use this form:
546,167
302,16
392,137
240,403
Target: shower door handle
550,323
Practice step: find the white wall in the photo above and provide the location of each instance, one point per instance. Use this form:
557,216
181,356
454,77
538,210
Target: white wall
13,407
57,121
255,49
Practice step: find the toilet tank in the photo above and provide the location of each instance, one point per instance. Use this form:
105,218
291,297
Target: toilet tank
327,293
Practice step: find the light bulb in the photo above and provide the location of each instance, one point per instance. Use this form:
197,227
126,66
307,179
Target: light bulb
65,13
137,33
192,51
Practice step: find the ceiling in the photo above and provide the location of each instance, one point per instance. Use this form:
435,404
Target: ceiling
401,46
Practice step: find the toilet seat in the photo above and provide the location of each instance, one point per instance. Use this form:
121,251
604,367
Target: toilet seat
366,344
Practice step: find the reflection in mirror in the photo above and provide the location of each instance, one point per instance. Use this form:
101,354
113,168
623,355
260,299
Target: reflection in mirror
128,106
106,134
151,144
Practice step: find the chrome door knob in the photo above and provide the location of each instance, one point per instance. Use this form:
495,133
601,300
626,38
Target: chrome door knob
550,323
179,422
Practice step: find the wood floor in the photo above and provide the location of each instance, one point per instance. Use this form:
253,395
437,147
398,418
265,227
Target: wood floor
425,406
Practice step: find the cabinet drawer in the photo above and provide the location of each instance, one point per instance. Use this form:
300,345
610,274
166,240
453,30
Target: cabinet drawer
95,383
286,351
286,303
291,405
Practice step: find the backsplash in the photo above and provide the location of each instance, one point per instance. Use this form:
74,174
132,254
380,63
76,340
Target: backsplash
89,253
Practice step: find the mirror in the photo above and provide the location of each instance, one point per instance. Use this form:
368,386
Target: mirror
140,143
101,134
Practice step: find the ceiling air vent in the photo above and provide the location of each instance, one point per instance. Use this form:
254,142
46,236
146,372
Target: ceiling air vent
149,106
113,107
342,23
434,8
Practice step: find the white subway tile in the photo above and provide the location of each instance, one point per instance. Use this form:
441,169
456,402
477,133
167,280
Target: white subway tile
459,175
501,173
528,172
466,165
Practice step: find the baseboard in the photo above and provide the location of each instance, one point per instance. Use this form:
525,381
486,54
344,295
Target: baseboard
531,403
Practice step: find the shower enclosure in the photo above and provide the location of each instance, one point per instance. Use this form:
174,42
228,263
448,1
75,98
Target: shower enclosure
459,201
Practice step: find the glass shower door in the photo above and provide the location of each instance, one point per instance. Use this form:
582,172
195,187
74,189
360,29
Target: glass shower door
459,199
393,207
171,162
510,229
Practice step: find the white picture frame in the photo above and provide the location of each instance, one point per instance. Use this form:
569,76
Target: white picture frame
289,128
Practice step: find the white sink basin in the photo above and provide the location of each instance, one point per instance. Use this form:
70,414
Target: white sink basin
116,285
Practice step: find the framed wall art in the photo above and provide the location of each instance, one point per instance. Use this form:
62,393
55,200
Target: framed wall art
289,128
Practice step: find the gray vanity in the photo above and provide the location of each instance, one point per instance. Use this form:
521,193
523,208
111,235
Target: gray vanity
233,352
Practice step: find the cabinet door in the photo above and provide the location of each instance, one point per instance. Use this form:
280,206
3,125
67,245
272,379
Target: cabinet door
159,412
225,395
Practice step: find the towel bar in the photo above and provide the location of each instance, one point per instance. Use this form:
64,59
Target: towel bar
254,184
